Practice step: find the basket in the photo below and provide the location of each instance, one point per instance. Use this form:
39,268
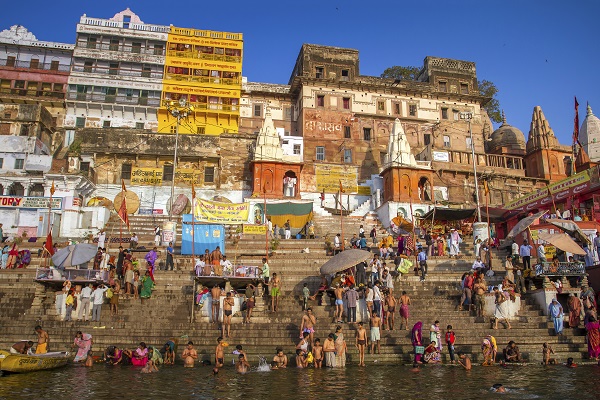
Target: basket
419,349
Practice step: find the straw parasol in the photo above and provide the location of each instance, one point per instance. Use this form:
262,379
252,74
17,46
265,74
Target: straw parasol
345,260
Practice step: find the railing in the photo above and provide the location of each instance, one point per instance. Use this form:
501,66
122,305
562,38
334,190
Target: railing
205,33
121,48
36,66
107,98
241,271
204,56
208,106
70,274
119,24
203,79
33,93
563,269
117,71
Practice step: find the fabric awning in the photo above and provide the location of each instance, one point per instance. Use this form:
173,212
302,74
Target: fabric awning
449,214
562,241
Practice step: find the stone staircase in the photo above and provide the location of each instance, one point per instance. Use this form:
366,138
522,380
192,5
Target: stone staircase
25,303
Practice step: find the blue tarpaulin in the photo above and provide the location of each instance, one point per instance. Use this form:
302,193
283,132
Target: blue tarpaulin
207,236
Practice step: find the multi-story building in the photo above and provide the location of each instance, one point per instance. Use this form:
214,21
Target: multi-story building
34,71
117,73
204,68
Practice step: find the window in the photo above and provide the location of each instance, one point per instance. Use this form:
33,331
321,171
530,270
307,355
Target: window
397,108
200,130
173,128
412,110
444,113
287,112
320,153
346,103
84,166
469,143
168,173
347,134
319,72
464,88
19,162
136,47
88,66
209,174
456,114
297,149
139,125
80,122
258,110
34,63
126,21
426,139
24,130
114,45
320,101
113,68
381,106
345,75
146,71
10,61
106,124
348,156
54,65
91,43
367,133
158,49
1,162
446,141
442,86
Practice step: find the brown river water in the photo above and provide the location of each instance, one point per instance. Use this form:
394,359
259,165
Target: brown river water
373,382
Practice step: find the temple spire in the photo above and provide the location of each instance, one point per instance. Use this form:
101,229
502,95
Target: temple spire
399,153
268,142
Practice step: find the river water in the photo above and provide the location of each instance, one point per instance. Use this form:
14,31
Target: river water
373,382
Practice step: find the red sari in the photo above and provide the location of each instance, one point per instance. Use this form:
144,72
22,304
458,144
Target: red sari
593,333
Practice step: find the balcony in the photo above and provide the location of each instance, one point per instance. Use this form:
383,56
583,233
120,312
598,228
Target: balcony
121,48
204,79
33,93
114,99
34,66
210,106
107,71
204,56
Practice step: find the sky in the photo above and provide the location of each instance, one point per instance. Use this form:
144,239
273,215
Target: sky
537,52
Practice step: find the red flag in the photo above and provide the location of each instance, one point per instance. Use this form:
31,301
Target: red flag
123,209
576,125
49,246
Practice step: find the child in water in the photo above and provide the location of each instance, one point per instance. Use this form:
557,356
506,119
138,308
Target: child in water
547,351
149,367
89,360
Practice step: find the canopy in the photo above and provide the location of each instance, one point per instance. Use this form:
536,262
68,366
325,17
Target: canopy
562,241
299,213
524,224
73,255
344,260
571,228
449,214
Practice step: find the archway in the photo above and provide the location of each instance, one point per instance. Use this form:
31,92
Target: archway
402,212
37,190
16,189
289,184
425,189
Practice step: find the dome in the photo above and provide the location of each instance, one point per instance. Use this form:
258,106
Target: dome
507,136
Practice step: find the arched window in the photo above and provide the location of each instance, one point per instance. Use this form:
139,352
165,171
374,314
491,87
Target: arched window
16,190
37,190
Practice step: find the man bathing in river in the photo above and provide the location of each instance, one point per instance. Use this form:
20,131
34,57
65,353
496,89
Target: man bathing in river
189,355
361,343
219,353
308,325
43,340
242,365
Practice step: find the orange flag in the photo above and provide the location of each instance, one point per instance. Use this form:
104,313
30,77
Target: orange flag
52,189
123,209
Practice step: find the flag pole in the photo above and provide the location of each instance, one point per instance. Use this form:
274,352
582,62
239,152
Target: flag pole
193,224
341,217
266,222
49,233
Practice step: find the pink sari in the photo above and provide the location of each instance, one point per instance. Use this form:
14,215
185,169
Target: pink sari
593,332
140,357
83,344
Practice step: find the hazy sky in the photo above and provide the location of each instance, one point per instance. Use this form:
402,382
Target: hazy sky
536,52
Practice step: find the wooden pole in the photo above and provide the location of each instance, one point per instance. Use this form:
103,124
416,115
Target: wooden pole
46,253
341,221
266,222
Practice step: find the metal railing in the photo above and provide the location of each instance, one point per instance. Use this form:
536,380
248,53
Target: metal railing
119,24
204,56
563,269
33,93
70,274
203,79
138,73
208,106
4,62
114,99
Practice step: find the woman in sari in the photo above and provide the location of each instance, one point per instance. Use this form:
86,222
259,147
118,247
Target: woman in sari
487,351
441,246
83,343
146,286
574,305
593,338
417,341
340,347
435,335
139,357
13,253
432,354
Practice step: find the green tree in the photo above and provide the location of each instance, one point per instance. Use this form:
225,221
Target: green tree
488,89
409,73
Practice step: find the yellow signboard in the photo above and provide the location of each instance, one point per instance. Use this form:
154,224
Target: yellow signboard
187,175
364,190
254,230
569,182
328,177
221,213
204,64
146,176
209,42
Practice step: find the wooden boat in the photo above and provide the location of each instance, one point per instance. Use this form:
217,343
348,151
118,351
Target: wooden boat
29,363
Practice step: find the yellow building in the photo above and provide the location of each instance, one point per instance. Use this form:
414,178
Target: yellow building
205,68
